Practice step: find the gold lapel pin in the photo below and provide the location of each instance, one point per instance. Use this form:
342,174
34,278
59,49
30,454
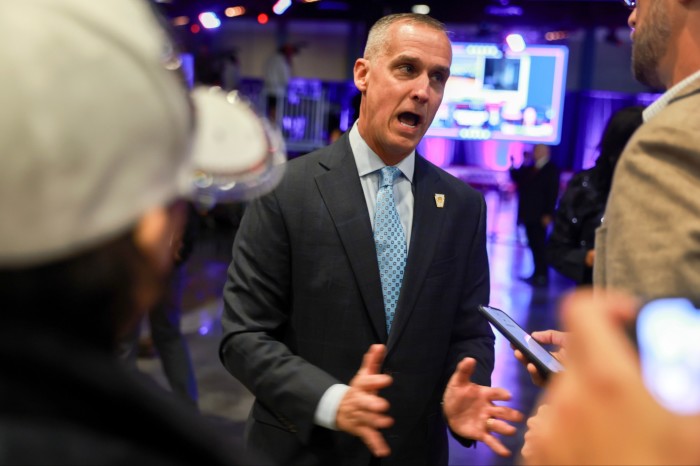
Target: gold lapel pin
439,200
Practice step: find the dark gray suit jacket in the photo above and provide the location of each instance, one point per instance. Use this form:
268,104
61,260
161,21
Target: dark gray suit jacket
303,303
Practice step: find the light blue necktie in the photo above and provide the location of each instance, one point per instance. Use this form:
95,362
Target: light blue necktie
390,242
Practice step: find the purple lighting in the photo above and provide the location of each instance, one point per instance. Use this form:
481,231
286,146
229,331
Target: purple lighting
503,10
437,150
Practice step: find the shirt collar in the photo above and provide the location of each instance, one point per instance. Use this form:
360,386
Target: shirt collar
654,109
369,162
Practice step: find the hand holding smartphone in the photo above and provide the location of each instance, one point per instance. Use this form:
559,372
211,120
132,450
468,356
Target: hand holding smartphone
543,360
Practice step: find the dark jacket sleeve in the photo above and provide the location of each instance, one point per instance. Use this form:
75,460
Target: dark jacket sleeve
569,242
257,298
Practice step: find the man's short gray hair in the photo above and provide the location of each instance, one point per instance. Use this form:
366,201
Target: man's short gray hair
378,39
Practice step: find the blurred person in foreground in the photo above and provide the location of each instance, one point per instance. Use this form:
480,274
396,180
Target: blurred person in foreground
570,247
320,287
537,184
599,411
96,131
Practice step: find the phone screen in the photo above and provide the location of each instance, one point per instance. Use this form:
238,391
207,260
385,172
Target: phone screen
521,339
668,338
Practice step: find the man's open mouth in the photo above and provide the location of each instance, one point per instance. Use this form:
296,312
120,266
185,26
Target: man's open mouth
409,119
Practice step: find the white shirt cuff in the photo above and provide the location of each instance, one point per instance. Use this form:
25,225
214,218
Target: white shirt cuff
327,408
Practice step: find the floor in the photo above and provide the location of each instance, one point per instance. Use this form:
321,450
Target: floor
226,401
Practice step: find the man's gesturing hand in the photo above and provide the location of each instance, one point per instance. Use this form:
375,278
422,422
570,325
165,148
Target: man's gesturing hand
470,410
362,410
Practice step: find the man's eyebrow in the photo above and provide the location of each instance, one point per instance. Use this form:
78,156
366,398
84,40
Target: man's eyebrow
405,58
443,69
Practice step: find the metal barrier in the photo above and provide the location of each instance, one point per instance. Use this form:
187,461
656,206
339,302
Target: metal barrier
302,116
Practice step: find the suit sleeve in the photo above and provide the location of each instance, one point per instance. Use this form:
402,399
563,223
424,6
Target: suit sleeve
257,298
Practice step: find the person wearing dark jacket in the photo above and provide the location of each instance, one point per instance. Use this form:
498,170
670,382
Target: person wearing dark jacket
537,183
570,248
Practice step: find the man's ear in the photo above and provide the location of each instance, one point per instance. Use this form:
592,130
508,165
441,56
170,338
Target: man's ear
361,73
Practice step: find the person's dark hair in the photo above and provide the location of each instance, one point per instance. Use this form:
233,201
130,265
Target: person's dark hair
91,296
618,131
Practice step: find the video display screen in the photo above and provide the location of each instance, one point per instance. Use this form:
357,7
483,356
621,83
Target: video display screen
492,94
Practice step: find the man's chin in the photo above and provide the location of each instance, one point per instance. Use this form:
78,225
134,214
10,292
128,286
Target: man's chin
646,77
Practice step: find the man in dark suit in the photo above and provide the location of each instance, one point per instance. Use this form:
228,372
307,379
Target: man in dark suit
310,284
537,182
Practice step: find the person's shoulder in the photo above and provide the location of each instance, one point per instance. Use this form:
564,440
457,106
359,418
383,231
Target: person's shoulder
676,114
307,166
672,137
582,178
305,162
581,188
552,166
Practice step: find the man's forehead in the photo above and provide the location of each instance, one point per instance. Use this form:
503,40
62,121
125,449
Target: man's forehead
400,43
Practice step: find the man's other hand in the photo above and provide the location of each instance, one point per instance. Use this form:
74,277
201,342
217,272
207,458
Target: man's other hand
362,412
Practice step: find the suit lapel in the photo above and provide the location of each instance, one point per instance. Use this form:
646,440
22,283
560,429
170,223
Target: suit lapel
342,193
427,224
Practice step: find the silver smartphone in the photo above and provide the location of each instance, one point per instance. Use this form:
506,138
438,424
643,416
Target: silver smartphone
543,360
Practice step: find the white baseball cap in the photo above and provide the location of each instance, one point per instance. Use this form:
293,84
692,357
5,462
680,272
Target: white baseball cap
97,126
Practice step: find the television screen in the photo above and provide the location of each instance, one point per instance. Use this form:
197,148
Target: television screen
492,94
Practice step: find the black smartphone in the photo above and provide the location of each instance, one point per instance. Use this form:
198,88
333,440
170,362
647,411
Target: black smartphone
667,334
543,360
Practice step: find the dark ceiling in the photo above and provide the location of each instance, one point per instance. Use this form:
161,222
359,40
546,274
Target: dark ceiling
551,14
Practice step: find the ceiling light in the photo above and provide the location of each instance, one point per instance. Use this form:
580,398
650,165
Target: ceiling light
181,21
235,11
420,9
209,20
281,6
515,42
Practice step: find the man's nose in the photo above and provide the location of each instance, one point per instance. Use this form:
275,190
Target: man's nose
421,89
632,19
